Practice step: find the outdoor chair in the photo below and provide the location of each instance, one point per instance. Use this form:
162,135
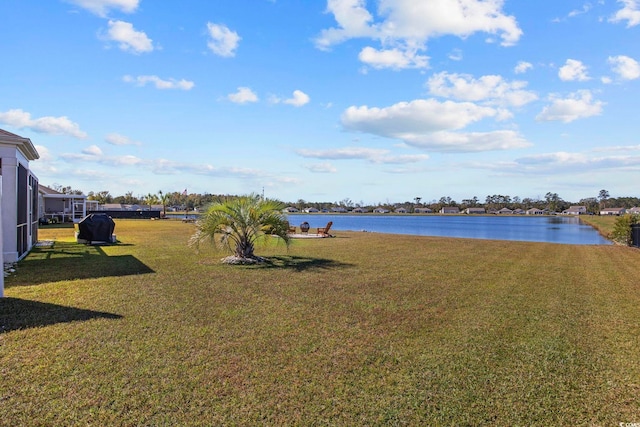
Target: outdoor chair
324,231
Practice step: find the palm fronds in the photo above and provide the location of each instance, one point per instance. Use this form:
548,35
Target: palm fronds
239,224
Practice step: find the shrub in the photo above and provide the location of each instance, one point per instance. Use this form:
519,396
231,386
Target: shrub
622,229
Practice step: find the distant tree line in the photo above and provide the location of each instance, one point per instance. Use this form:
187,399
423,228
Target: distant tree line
551,201
189,201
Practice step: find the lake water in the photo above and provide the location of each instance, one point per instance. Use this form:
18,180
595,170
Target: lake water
552,229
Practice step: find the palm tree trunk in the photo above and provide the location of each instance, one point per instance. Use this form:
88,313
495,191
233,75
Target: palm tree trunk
244,249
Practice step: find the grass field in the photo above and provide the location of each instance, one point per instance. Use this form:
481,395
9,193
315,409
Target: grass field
360,329
603,223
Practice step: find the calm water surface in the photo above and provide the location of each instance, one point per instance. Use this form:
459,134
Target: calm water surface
552,229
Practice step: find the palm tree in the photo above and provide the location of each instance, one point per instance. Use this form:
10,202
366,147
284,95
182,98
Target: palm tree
150,199
164,199
241,223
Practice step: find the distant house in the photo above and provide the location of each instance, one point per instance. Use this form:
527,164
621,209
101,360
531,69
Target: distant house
400,210
505,211
310,210
422,210
359,210
535,211
518,211
450,210
92,205
612,211
290,209
20,200
472,211
635,211
61,207
381,210
575,210
111,207
338,209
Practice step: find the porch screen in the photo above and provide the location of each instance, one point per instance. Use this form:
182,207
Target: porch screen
23,210
33,213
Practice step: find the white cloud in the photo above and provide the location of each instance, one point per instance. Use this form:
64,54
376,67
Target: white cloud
96,156
117,139
404,27
93,150
48,125
625,67
578,105
45,154
522,67
428,124
560,157
418,116
127,160
455,55
630,12
46,163
570,163
585,8
353,18
392,58
299,99
411,20
492,88
444,141
222,41
128,38
242,96
321,168
102,7
618,148
160,83
573,70
373,155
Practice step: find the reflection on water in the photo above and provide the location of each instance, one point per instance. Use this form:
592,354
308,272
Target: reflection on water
552,229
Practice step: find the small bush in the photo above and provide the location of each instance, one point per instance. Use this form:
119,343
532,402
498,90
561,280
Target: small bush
622,229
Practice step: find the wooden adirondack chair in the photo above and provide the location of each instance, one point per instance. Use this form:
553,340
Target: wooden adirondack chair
324,231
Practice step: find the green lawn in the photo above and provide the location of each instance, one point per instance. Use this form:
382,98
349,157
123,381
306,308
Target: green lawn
360,329
603,223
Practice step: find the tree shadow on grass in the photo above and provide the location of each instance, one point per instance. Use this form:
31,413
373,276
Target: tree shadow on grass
72,261
18,313
299,263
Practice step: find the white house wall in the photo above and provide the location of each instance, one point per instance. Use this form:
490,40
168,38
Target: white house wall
9,207
11,157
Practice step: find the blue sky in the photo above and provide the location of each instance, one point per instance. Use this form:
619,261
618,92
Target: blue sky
374,101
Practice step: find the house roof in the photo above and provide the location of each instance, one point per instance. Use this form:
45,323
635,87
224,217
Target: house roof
112,206
46,190
50,193
24,144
